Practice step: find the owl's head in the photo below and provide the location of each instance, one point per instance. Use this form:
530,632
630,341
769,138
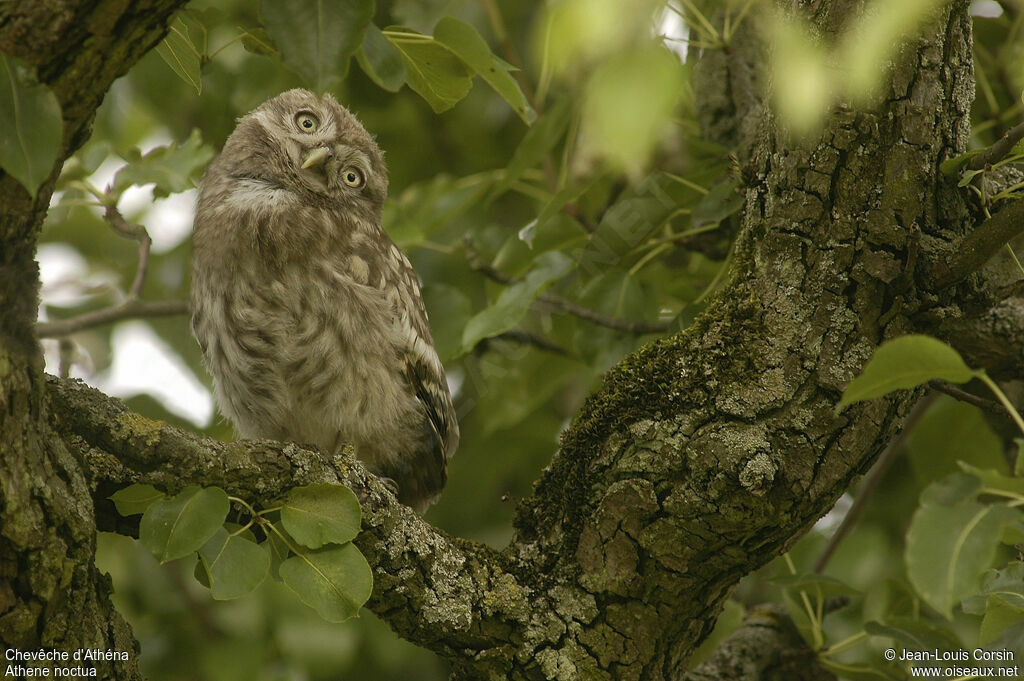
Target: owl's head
310,145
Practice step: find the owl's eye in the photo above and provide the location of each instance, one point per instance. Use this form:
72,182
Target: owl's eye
353,177
306,121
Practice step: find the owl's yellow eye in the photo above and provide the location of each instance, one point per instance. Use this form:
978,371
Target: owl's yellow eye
306,121
353,177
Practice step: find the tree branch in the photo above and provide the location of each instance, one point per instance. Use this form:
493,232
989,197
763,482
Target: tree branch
998,150
977,247
431,588
130,309
766,646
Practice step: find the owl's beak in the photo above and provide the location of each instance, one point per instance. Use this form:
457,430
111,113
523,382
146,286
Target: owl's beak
317,157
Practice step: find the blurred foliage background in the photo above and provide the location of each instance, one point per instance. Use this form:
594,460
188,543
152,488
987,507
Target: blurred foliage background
562,206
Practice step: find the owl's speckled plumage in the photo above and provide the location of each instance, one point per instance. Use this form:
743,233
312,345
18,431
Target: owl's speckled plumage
309,317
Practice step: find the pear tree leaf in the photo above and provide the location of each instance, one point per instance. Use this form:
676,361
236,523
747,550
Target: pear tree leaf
180,52
175,527
173,168
233,564
30,117
381,60
466,43
135,499
914,634
950,166
319,514
515,300
334,581
950,547
720,202
537,142
906,362
258,41
823,584
317,38
432,70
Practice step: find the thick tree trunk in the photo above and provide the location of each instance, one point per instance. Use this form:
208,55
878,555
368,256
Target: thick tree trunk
51,594
702,457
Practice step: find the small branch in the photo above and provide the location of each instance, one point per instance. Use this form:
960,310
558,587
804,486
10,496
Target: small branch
876,475
970,398
134,231
639,328
999,149
524,338
978,246
130,309
478,264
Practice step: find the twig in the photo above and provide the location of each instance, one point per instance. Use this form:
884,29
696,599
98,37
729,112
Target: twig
998,150
640,328
477,264
137,232
525,338
978,246
129,309
872,480
970,398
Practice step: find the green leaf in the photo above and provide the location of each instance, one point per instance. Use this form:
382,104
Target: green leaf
949,547
335,581
30,118
234,565
464,41
381,60
432,71
317,37
951,490
950,166
719,203
1000,602
515,300
320,514
258,41
914,634
175,527
906,362
449,310
1007,582
968,177
135,499
994,479
537,142
174,168
1001,613
180,52
816,584
628,102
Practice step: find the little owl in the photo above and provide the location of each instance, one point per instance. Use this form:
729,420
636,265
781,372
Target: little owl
309,317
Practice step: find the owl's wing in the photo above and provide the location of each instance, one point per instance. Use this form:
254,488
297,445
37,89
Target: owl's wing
425,374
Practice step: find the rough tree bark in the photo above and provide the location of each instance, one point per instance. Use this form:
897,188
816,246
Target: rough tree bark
702,456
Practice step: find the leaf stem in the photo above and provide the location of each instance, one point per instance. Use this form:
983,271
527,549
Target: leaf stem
1001,396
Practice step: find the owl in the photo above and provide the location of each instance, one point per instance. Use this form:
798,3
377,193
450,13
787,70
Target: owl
309,317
